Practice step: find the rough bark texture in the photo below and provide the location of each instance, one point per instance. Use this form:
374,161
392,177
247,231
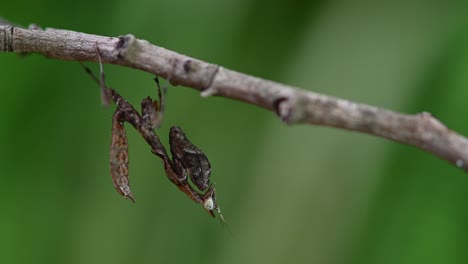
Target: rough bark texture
292,105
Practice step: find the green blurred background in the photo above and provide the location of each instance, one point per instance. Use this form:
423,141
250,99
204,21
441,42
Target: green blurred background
300,194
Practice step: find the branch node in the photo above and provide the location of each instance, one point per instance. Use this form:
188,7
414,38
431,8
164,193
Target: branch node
210,88
278,108
289,109
6,43
124,44
35,27
208,92
432,120
188,66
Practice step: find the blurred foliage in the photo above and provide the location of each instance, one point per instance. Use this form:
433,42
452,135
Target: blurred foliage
299,194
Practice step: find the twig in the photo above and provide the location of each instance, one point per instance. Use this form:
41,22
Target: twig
292,105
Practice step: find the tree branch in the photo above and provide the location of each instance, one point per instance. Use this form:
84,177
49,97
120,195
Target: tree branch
292,105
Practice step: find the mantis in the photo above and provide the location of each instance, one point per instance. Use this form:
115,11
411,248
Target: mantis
189,166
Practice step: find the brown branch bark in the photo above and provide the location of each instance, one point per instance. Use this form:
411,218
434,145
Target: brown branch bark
292,105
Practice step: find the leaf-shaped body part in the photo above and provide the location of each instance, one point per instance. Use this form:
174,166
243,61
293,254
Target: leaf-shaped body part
119,156
189,160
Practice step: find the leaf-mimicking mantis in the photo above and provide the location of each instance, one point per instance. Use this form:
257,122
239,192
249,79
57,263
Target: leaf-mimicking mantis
188,167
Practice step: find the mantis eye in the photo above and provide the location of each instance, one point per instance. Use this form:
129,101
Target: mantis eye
209,204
